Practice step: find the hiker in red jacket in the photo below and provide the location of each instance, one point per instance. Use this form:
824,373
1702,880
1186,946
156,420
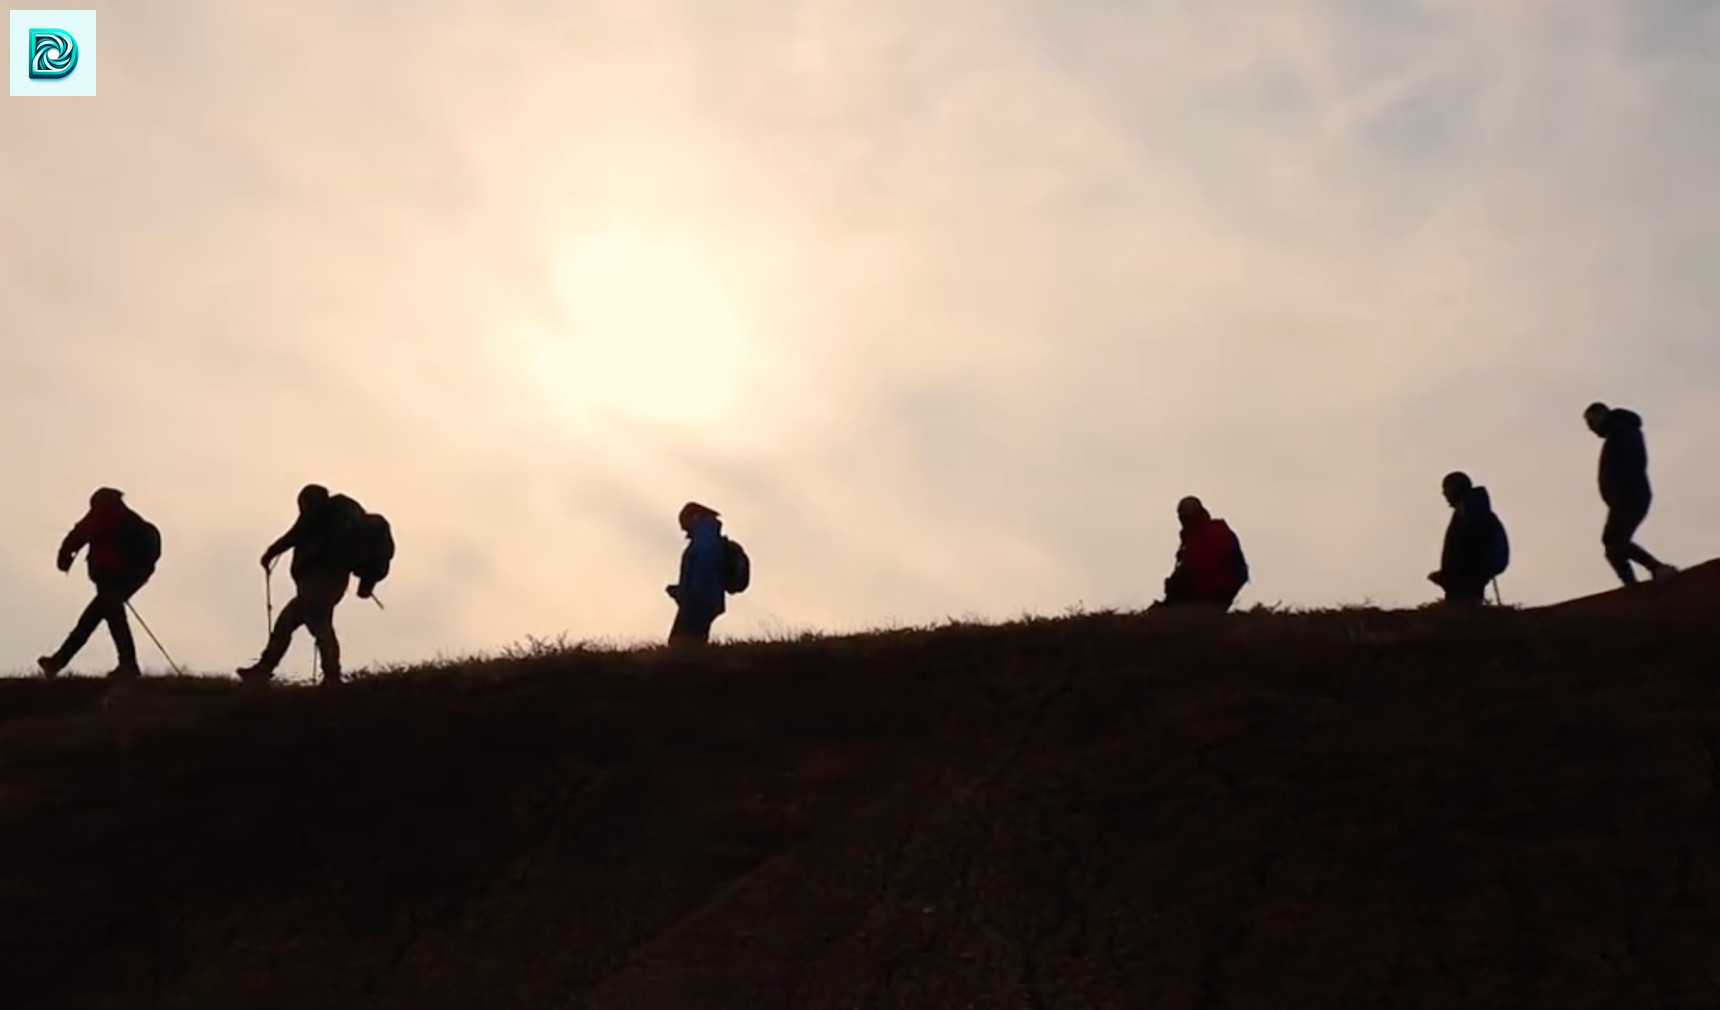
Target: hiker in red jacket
1210,568
123,551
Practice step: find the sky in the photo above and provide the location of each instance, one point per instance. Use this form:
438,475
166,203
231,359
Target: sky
942,303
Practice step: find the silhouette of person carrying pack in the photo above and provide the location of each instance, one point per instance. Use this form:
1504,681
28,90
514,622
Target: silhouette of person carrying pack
1476,549
320,540
1210,567
123,548
712,566
1625,490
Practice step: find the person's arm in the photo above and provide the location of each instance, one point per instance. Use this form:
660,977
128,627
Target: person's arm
285,542
76,540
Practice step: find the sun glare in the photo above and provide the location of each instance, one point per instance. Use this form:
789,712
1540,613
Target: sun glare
647,330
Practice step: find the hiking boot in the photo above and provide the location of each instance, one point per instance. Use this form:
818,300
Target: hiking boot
125,671
256,673
50,666
1665,571
332,678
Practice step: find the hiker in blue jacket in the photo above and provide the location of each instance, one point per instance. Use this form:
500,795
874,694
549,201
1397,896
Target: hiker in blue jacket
1625,489
699,595
1476,550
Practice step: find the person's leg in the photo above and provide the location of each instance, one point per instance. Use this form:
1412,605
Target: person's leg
1635,552
94,613
124,646
291,619
1465,593
690,628
1621,525
1176,588
324,592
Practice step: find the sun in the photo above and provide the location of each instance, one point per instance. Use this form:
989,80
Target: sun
645,328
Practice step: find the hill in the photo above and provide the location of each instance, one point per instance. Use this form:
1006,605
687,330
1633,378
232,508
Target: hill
1340,809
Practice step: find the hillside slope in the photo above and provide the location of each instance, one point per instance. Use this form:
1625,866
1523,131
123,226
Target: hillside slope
1353,809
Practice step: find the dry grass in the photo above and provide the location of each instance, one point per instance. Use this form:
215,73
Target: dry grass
1335,809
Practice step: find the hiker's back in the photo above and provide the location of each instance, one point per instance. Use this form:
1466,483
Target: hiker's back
140,545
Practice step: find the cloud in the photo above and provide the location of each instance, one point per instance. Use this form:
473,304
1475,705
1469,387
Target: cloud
1015,277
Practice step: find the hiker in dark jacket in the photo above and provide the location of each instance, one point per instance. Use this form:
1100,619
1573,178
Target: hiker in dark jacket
699,595
123,549
1210,567
321,572
1475,547
1625,490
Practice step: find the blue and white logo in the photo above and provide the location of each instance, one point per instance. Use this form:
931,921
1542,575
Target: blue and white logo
53,54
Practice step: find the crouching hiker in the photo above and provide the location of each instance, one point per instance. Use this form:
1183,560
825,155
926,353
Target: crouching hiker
124,548
1210,567
712,566
1476,549
332,539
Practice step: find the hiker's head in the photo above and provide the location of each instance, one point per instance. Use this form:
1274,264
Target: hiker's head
692,512
311,496
1191,511
1596,416
1455,485
106,497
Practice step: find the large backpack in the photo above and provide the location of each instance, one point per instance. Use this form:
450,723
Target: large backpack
140,544
372,548
737,567
1498,546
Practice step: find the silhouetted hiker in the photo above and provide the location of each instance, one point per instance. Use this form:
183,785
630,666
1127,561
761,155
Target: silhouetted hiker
712,566
1476,548
322,544
1210,567
123,550
1624,489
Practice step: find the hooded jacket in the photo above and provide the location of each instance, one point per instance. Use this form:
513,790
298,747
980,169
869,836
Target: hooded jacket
319,538
700,589
1211,559
1624,460
106,529
1466,560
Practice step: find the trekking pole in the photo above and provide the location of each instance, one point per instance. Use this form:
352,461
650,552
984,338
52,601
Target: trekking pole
1497,599
145,625
268,601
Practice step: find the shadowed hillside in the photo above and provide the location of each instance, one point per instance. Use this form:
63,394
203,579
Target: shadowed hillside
1352,809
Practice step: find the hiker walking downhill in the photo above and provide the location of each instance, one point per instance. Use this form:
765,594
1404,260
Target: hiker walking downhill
1476,549
1625,490
1210,566
326,544
712,566
124,548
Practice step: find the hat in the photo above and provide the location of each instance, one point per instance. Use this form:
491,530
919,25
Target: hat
692,510
109,495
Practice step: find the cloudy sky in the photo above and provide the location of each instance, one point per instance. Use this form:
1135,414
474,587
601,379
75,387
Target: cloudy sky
943,303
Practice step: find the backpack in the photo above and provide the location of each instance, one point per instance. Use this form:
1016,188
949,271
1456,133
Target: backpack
737,568
1498,546
371,548
140,543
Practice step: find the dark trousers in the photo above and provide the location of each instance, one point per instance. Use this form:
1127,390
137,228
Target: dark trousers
312,607
1178,593
1466,592
1617,537
691,627
112,594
